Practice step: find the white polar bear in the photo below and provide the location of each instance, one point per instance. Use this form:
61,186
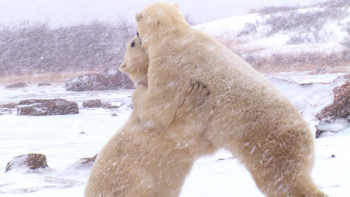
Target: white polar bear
251,118
150,162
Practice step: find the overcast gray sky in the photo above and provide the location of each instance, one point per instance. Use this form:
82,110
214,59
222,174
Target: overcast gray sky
71,12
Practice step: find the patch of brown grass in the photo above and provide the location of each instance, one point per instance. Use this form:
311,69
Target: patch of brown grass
308,68
248,48
313,63
304,59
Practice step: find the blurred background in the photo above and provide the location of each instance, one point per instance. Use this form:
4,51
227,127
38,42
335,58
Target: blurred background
55,41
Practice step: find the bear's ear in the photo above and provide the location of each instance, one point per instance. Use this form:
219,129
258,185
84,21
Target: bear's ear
138,17
176,5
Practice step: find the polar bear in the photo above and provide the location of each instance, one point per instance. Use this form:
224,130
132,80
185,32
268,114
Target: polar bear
136,62
149,162
251,118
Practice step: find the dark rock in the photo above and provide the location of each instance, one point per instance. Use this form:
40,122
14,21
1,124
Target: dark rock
331,124
44,107
249,28
100,82
341,104
10,105
320,70
92,103
83,164
17,85
44,84
7,108
32,161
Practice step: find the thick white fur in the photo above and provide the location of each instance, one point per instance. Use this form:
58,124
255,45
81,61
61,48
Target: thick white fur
250,117
143,161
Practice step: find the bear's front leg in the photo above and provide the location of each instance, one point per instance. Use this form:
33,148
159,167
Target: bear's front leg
195,108
158,106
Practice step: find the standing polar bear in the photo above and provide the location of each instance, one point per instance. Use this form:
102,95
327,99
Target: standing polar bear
251,118
143,161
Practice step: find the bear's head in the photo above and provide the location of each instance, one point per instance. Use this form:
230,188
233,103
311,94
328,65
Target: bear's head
136,62
158,20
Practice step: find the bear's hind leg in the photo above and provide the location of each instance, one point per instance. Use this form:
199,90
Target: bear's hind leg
280,164
290,182
279,175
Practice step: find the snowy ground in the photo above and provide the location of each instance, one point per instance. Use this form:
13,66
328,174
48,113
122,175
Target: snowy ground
220,175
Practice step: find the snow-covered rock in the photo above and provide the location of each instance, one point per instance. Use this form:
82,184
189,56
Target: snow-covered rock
7,108
107,105
331,124
32,161
249,28
17,85
44,107
99,82
92,103
83,164
10,105
44,84
341,104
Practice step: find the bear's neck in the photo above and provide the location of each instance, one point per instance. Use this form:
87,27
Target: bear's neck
141,81
140,85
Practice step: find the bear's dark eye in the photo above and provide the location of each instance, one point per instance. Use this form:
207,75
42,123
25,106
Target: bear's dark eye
137,33
132,44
